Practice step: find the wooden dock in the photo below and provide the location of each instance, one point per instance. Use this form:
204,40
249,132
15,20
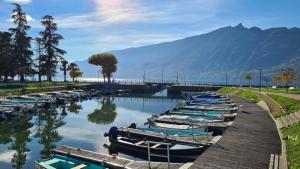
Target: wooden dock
205,140
114,162
247,144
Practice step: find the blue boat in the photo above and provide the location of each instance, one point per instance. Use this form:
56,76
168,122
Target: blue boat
181,133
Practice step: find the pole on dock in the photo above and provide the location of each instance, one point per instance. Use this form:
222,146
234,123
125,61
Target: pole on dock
226,76
144,77
162,76
168,153
149,155
177,78
260,70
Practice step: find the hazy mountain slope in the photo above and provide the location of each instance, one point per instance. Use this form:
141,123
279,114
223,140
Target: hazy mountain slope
231,49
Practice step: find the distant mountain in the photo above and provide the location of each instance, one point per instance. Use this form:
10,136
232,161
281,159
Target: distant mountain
207,57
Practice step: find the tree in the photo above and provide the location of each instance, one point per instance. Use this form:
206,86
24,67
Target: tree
21,43
74,71
107,61
249,77
104,115
39,51
64,68
286,76
50,41
50,122
5,54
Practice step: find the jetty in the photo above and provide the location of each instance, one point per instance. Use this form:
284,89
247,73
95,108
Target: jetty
248,143
114,162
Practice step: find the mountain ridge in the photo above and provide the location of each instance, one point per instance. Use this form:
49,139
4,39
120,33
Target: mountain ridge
227,49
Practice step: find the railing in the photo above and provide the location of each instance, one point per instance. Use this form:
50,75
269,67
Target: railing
149,152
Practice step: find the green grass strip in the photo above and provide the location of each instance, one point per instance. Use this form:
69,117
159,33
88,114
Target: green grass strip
292,136
288,104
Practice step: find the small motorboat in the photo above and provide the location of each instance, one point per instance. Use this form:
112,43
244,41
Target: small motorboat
62,162
178,152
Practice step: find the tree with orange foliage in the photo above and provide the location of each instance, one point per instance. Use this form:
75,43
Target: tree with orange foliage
286,76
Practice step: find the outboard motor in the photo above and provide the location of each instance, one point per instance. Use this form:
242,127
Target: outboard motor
132,125
113,133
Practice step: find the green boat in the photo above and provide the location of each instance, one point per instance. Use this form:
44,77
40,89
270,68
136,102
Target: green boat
62,162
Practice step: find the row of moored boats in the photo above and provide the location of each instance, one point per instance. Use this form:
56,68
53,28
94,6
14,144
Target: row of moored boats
183,133
188,129
16,106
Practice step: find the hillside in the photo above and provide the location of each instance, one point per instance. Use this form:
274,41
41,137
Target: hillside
208,56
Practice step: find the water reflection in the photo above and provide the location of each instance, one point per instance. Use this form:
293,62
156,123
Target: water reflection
81,124
20,138
106,114
48,123
74,108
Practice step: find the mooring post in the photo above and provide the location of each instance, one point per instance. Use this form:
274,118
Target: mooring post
168,153
149,155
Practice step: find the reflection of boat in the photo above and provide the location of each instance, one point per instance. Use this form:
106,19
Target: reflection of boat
139,148
62,162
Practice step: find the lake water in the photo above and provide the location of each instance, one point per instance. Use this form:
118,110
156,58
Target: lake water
81,124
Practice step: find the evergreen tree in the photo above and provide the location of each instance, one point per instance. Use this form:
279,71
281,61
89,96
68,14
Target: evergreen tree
50,41
5,54
21,44
39,53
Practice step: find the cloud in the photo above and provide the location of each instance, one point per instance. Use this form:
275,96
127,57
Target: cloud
120,12
19,1
6,156
28,17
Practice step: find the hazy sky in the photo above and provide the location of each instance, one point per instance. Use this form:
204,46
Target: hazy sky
94,26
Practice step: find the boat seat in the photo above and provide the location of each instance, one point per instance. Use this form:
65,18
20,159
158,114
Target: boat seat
156,145
79,166
139,143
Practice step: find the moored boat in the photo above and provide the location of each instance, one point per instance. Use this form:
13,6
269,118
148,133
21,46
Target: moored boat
178,152
62,162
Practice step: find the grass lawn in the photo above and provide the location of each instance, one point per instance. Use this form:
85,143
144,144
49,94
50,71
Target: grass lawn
292,136
227,90
280,90
288,104
246,94
37,87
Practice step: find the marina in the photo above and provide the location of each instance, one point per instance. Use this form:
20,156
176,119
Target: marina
180,136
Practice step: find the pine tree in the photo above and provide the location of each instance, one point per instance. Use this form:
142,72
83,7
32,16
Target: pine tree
21,44
5,54
50,41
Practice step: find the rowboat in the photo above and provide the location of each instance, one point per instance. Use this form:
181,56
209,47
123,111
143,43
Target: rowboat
62,162
137,147
182,119
208,108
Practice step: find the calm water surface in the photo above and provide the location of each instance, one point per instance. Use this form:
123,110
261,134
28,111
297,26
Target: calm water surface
81,124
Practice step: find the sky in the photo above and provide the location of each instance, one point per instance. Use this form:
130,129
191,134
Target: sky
96,26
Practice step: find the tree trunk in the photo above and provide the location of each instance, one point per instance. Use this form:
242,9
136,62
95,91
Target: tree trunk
40,77
22,77
104,77
5,77
73,79
65,75
108,79
49,77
